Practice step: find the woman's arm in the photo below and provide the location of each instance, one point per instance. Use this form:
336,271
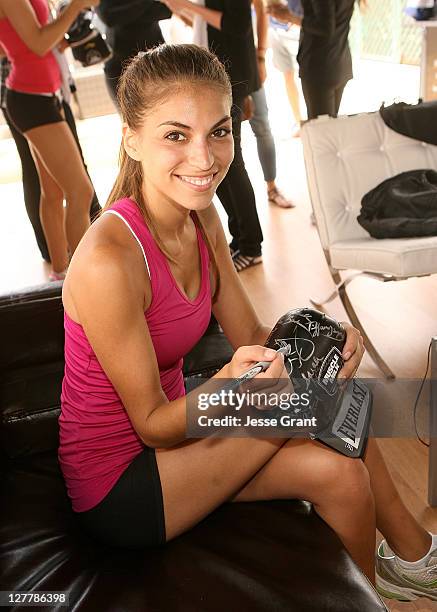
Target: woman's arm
41,39
211,16
237,316
106,280
282,13
232,308
262,33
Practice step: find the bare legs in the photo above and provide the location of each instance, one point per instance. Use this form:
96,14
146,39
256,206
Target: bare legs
403,533
338,487
293,95
61,174
352,496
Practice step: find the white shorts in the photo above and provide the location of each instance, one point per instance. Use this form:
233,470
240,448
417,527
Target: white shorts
284,44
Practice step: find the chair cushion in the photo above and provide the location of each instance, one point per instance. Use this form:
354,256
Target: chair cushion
399,257
260,556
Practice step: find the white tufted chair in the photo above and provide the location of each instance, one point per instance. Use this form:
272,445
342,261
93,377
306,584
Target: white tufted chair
345,158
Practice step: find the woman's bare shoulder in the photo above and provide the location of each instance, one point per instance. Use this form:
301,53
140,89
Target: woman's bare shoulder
108,251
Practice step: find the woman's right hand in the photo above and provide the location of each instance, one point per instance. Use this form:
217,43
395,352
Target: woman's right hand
246,357
273,382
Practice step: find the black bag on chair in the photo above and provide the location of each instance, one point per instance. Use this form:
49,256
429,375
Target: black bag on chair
403,206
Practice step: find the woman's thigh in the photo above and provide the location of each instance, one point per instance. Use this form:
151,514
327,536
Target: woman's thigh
199,475
303,469
49,187
60,155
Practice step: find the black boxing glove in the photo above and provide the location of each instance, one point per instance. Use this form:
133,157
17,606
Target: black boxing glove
313,361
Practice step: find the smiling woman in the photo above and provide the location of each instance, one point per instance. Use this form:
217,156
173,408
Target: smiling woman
149,267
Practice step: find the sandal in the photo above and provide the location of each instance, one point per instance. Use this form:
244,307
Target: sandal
242,262
277,198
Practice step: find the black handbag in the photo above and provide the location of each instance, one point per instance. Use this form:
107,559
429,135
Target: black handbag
402,206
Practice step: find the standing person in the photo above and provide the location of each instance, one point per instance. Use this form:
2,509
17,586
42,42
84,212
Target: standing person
34,106
284,41
260,121
325,63
153,266
225,27
131,26
30,178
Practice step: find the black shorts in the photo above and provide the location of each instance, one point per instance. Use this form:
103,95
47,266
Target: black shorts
132,513
28,111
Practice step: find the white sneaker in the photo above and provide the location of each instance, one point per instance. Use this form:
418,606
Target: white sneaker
394,581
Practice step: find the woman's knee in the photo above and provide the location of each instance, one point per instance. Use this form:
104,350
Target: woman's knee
342,478
81,195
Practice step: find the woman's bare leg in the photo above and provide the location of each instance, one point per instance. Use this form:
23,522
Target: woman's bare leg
403,533
338,487
58,151
198,476
51,212
293,94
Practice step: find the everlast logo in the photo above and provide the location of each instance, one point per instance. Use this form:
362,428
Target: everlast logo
331,366
348,426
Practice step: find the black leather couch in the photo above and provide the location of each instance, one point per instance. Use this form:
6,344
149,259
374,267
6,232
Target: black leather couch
267,556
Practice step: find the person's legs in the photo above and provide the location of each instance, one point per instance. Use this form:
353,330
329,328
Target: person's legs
293,94
310,471
264,139
51,211
198,476
337,96
266,148
319,99
403,533
58,152
238,198
69,118
31,187
283,59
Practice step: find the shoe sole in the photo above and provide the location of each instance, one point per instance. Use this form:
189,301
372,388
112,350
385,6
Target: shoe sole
385,589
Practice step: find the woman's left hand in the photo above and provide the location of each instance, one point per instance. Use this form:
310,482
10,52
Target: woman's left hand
353,351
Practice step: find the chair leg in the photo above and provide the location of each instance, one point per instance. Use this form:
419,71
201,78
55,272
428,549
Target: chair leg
339,285
367,342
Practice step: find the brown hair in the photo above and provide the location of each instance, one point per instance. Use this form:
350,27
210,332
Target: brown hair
147,80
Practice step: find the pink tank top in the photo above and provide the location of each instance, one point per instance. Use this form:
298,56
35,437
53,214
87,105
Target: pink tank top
97,440
30,73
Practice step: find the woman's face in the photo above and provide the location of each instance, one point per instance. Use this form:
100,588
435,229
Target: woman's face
185,146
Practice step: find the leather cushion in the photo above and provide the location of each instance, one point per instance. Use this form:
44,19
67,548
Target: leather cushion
265,556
